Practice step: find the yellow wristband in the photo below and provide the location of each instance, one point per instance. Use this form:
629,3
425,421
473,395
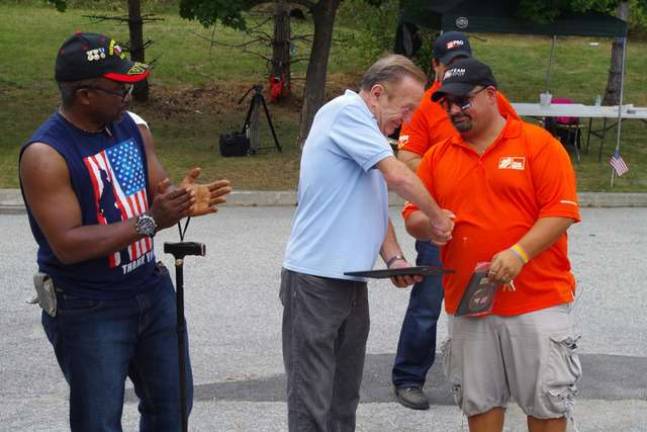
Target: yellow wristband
518,250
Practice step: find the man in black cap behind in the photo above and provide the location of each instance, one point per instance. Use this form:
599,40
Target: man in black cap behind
96,194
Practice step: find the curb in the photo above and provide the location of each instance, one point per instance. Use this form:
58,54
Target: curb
11,200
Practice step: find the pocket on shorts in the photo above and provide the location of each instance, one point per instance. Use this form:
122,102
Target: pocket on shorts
563,371
451,371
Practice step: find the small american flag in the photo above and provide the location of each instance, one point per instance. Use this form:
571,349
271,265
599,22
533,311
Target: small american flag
117,175
618,164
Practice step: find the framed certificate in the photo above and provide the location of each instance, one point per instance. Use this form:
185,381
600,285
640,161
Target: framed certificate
407,271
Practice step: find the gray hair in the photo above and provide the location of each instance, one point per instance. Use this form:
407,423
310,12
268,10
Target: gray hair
391,69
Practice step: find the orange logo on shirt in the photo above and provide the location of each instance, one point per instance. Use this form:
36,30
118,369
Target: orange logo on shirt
512,162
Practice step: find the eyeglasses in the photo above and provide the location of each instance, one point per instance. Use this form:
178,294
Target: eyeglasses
462,102
122,92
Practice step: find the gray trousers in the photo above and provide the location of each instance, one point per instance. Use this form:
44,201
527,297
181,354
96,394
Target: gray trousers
325,328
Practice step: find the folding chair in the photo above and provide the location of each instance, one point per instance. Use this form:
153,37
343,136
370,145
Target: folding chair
565,129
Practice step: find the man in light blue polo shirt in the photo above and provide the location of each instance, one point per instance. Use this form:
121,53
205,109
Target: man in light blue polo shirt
342,224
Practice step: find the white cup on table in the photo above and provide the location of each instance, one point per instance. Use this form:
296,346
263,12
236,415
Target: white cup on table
545,99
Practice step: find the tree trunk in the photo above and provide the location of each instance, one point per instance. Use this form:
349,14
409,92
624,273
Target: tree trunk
281,47
323,15
612,92
136,29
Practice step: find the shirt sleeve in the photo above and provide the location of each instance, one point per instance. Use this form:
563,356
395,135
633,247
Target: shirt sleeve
414,136
408,209
554,177
357,136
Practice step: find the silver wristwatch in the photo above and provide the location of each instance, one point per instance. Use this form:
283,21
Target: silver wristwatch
145,225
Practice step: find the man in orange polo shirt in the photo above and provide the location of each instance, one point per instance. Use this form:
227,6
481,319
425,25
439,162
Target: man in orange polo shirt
429,125
512,188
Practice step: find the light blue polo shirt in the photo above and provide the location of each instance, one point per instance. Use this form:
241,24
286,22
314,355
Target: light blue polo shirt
342,213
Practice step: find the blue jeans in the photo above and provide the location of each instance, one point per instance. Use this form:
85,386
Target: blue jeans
98,343
417,345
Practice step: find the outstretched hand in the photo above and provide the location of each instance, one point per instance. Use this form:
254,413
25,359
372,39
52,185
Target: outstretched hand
170,204
207,196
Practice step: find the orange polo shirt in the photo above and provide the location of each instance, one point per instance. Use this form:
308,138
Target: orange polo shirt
497,197
431,124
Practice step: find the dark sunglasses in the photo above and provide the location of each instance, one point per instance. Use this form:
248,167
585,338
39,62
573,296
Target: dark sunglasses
462,102
122,92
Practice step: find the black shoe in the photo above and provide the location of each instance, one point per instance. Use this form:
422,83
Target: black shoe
412,397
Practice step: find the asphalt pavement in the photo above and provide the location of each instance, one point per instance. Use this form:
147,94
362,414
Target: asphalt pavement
234,318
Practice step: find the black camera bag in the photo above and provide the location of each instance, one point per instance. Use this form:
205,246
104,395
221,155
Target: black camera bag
234,144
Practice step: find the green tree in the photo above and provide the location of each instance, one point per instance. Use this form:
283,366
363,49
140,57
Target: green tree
61,5
230,13
209,12
136,35
547,10
374,34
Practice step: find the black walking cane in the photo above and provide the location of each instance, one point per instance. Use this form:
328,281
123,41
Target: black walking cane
179,251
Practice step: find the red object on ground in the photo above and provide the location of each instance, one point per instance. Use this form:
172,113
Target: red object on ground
277,88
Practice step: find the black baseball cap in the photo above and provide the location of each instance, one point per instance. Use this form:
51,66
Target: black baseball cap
93,55
450,45
462,77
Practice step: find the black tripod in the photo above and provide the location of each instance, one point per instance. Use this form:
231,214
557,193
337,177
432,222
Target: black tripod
257,101
179,251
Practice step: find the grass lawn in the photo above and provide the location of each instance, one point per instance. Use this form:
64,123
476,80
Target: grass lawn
195,91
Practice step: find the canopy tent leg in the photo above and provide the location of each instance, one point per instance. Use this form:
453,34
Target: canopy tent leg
622,93
550,63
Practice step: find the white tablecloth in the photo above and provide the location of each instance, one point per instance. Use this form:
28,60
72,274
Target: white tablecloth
579,110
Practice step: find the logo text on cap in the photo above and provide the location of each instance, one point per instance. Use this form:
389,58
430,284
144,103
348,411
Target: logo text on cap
456,72
455,44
